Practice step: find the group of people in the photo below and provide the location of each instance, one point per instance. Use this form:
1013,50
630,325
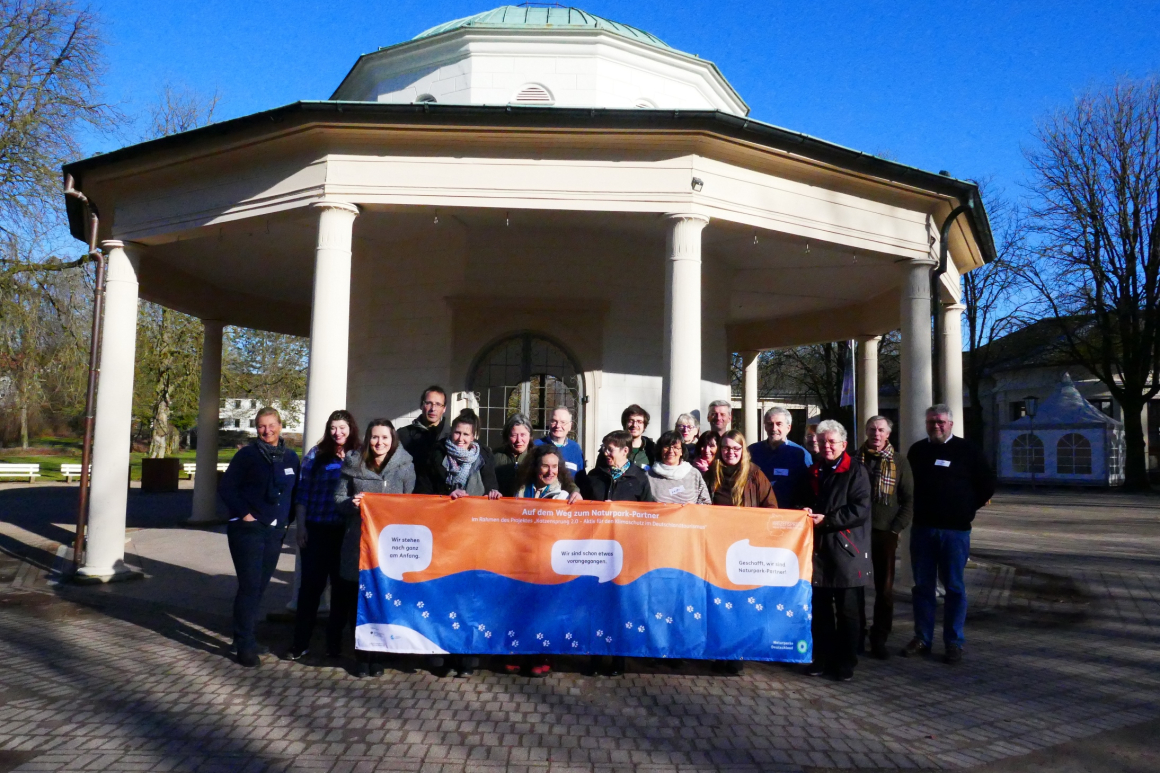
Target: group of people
859,502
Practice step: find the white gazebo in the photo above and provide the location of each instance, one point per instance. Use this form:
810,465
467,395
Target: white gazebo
532,206
1067,442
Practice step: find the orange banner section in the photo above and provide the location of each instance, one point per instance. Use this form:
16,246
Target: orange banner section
549,542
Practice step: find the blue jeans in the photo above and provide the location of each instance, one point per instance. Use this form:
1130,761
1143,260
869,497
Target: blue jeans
255,549
939,554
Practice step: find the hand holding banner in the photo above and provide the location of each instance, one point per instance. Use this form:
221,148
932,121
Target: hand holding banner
523,576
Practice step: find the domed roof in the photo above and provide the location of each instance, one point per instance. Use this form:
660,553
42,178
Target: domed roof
542,17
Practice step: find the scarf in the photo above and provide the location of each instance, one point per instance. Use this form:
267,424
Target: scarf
274,456
460,463
531,491
883,471
676,472
616,472
843,465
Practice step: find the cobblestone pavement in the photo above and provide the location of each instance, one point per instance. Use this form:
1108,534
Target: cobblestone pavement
98,679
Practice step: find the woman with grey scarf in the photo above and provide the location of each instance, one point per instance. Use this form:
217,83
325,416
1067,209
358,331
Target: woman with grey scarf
672,479
458,465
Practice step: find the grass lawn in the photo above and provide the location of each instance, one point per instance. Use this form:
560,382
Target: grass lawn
51,453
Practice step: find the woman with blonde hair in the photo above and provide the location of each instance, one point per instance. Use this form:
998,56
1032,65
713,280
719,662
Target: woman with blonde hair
734,481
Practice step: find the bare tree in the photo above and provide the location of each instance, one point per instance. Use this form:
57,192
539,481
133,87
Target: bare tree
50,71
270,367
1097,212
996,297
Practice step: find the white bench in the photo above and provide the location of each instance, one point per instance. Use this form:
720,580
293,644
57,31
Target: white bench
70,471
191,469
30,471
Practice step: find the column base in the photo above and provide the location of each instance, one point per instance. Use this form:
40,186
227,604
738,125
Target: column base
120,573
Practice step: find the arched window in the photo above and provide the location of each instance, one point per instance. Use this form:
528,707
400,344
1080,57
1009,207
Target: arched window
1027,454
1073,455
533,94
528,374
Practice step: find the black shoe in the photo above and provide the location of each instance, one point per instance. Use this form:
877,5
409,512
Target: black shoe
915,648
362,669
376,669
615,667
296,656
249,659
814,669
844,674
734,667
954,654
878,650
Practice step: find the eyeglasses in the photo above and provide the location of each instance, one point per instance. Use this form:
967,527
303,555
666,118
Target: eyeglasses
429,404
685,427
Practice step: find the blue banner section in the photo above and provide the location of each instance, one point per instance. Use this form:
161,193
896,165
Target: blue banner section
665,613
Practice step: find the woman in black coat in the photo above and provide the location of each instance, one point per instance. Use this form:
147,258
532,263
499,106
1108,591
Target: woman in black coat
459,466
836,493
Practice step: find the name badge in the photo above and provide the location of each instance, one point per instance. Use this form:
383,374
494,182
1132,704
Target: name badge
571,466
781,471
289,470
942,462
676,489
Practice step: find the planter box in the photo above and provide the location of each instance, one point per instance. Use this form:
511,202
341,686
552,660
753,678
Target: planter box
160,474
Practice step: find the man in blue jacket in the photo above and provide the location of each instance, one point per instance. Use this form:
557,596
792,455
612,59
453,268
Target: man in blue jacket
258,489
559,425
783,461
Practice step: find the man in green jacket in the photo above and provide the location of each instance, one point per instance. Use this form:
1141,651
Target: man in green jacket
892,501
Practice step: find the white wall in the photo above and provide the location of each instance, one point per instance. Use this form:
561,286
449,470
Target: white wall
579,69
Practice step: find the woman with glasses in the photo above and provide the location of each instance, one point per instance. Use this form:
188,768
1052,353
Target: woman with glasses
688,428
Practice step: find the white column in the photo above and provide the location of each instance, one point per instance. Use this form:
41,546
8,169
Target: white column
951,378
917,390
917,386
867,381
329,318
208,411
108,496
682,340
749,397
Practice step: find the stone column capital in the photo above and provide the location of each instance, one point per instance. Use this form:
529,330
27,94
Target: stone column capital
690,216
868,339
338,206
954,308
914,263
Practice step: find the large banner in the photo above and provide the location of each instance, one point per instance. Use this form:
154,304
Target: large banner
519,576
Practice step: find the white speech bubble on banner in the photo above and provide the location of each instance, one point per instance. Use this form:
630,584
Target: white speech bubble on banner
747,564
599,558
404,547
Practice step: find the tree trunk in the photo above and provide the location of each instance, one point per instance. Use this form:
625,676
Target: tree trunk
159,437
24,426
1135,460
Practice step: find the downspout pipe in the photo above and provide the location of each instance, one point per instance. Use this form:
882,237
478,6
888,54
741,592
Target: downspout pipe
98,257
936,304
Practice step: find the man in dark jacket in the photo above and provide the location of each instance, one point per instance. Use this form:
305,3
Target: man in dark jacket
258,489
428,428
617,480
952,480
892,497
836,493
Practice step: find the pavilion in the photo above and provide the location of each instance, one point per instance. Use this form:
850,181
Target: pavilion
531,206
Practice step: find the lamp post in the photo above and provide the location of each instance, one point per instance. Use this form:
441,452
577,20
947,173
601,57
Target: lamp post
1031,405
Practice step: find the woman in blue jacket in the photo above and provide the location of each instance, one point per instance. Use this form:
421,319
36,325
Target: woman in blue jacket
258,489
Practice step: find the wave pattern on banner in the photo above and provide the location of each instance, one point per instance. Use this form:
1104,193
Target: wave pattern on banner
666,613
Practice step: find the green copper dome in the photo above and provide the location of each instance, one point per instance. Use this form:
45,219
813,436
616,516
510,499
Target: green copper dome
544,17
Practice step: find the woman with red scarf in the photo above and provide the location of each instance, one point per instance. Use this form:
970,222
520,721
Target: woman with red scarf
836,494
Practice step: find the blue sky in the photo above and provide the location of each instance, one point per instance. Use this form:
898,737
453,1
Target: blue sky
955,86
